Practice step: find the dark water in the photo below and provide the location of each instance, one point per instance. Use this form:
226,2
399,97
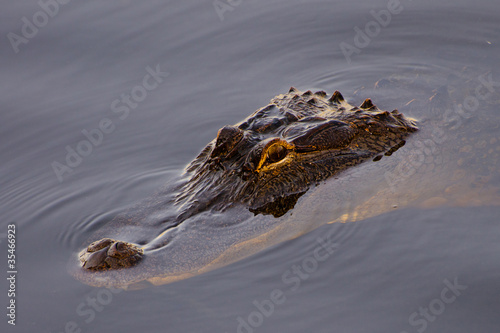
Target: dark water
410,270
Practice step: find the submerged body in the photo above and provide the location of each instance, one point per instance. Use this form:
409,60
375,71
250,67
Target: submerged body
254,186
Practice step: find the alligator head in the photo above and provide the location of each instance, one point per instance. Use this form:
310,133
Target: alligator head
271,158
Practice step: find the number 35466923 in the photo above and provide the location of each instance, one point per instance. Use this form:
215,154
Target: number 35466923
11,235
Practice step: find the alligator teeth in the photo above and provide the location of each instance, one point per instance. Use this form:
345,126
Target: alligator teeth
336,97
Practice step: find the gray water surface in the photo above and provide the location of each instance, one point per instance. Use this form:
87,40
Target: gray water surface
389,273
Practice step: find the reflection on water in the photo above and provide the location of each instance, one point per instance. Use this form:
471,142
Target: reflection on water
433,61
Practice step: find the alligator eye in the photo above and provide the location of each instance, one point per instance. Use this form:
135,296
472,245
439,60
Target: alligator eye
276,153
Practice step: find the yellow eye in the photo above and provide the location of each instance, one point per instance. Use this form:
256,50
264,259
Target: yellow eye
276,153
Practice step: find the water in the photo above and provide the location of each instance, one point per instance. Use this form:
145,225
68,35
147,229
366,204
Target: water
65,78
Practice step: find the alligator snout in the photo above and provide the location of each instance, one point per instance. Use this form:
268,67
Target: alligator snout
110,254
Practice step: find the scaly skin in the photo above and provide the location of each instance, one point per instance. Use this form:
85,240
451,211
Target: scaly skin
270,159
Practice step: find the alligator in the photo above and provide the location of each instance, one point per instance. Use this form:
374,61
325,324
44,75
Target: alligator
262,166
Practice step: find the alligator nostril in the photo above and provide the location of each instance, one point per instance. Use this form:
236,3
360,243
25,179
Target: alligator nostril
122,250
120,246
96,260
115,249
